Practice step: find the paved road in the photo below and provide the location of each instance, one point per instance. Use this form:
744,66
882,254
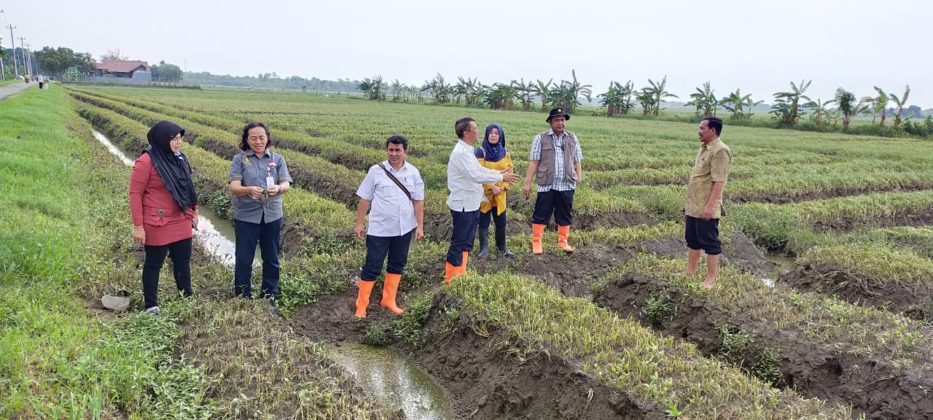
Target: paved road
10,90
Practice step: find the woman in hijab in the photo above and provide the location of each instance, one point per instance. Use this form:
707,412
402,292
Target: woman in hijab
164,207
493,156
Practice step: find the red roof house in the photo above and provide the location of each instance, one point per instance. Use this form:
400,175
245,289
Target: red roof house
121,68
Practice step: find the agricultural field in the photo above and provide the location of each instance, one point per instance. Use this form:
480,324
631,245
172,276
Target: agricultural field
823,307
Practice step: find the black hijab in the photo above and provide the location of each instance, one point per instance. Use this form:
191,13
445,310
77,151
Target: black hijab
173,169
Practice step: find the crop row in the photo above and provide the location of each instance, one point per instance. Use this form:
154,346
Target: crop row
620,352
326,217
821,346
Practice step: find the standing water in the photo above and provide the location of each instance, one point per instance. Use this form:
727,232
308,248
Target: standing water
401,384
383,372
213,232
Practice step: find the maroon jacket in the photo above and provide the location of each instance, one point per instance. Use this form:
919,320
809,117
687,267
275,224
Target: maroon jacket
152,206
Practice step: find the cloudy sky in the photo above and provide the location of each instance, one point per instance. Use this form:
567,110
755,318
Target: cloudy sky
757,46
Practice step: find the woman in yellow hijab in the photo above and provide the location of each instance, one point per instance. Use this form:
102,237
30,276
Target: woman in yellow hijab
493,156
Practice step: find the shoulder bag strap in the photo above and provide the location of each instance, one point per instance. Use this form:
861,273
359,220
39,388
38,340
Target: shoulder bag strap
396,181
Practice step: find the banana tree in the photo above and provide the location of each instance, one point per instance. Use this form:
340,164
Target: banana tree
787,104
899,102
658,92
543,90
705,100
819,111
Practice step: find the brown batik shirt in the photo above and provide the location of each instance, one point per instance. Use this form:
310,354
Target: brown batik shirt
711,165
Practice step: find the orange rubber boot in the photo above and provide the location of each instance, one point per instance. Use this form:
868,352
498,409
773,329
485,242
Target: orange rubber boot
537,231
389,289
563,233
362,297
450,271
463,265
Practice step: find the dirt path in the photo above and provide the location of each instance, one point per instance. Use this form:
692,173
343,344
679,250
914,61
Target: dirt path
10,90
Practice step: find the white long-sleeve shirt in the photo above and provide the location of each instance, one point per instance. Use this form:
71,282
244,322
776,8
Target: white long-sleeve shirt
465,178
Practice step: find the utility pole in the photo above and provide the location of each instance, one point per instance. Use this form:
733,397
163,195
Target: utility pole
13,48
32,64
22,50
2,70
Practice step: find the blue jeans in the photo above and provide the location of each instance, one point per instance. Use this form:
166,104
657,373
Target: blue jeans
462,235
266,234
377,247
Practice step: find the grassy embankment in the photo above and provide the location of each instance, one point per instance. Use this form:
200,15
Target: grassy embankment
58,358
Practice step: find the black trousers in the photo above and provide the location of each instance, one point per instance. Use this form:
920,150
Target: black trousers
558,203
266,234
499,220
702,234
378,247
180,253
462,235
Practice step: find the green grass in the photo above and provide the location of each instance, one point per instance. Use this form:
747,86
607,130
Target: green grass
57,360
624,354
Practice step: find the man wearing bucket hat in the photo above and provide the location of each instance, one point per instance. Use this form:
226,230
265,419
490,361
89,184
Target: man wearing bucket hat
555,165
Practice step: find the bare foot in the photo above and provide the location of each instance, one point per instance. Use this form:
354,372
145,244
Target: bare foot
708,283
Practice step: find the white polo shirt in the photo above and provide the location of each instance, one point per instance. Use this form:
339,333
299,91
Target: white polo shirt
391,212
465,178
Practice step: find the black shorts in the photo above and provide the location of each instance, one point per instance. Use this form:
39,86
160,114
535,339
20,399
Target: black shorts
702,234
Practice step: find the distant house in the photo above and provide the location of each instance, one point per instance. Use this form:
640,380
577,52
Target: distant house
121,72
121,68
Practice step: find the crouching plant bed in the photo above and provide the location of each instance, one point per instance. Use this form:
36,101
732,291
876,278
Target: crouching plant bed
822,347
507,345
875,274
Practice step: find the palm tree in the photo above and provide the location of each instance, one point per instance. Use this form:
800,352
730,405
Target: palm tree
657,91
899,102
787,104
705,99
847,106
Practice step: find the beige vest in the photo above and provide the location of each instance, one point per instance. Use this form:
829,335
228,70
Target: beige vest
547,167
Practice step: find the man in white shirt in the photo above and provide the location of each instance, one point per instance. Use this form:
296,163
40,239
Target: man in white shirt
465,179
396,190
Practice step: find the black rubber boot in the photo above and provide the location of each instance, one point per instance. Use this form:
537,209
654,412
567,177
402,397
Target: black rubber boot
483,242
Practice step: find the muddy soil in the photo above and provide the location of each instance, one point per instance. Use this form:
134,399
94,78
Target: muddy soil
737,250
822,195
923,218
486,375
912,300
873,387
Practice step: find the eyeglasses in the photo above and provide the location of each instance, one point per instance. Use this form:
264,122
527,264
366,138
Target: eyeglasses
177,137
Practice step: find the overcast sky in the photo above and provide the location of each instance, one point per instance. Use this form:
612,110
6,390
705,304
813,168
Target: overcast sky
757,46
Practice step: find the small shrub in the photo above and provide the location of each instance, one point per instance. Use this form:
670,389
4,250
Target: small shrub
377,335
766,368
735,344
410,326
658,309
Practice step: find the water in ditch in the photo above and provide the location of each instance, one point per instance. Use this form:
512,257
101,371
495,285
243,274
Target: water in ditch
383,372
213,231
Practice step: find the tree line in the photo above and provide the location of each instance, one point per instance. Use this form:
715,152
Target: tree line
789,109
